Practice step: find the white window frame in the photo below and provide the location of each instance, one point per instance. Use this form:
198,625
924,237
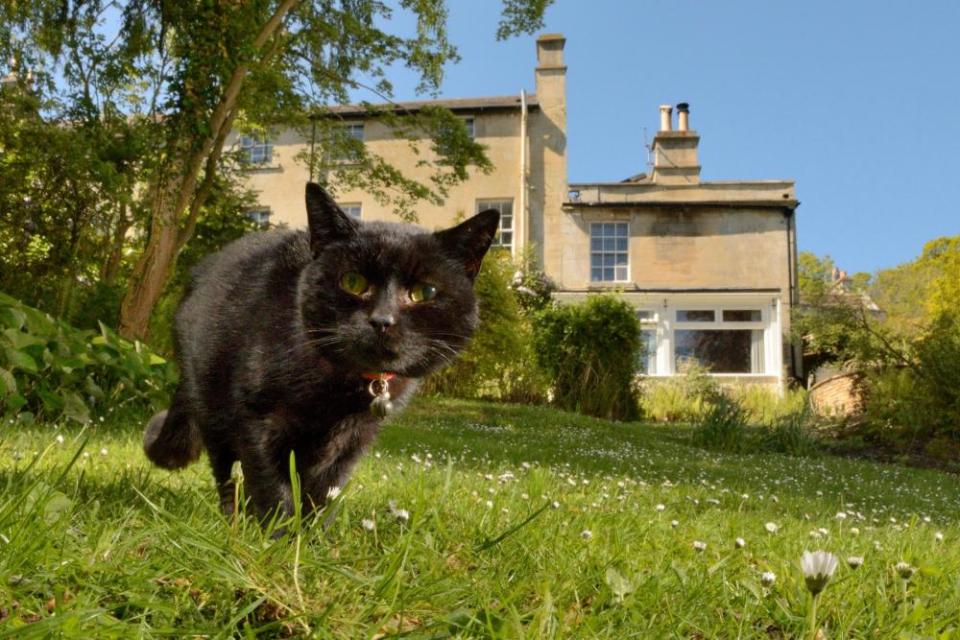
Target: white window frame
257,149
260,216
352,209
603,252
664,310
505,217
471,123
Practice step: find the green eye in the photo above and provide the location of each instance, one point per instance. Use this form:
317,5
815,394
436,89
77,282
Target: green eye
422,292
353,282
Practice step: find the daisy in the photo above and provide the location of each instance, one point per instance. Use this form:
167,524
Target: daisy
767,578
818,568
771,527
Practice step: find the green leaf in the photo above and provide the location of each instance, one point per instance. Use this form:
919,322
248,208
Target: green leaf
21,340
51,401
619,585
56,507
8,384
20,360
13,318
16,401
75,408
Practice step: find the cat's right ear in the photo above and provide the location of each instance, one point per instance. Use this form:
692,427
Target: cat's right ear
327,221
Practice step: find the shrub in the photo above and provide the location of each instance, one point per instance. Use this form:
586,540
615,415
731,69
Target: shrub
682,398
766,406
499,362
590,352
792,433
49,368
722,427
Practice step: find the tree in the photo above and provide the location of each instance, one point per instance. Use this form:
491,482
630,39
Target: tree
197,69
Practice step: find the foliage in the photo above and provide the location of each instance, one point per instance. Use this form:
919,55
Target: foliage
681,398
192,72
919,400
722,427
51,370
590,351
499,362
766,406
792,433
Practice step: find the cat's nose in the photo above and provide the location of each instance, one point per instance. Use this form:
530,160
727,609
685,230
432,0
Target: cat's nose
382,322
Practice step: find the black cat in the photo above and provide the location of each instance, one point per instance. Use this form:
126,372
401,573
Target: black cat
302,341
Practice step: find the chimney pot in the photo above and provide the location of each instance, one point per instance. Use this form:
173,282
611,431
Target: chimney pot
683,116
666,117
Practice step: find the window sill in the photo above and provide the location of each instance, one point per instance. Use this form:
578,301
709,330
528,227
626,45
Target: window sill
264,168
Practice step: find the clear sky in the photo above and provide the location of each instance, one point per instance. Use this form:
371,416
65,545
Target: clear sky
856,100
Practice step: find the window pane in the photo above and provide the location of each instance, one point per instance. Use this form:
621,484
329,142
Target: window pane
741,315
596,274
621,244
609,244
644,314
596,244
725,351
621,273
608,259
596,230
622,229
647,362
695,315
596,260
608,228
608,274
621,259
506,238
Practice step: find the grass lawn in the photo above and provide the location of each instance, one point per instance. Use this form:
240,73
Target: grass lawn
520,522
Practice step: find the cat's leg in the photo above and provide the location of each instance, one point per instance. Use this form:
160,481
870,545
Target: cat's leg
221,462
331,470
266,476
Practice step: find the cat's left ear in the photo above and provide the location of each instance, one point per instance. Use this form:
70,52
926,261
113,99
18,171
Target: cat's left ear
326,220
468,241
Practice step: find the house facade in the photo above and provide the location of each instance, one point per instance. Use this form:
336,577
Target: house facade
710,266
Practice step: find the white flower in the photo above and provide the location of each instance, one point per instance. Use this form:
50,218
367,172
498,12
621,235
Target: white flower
489,504
841,515
586,534
674,523
368,524
699,546
555,504
59,438
104,451
659,507
854,531
771,527
905,570
818,568
938,536
855,561
739,543
333,492
402,514
767,578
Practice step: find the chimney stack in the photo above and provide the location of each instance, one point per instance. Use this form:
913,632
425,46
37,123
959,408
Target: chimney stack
666,117
683,116
675,159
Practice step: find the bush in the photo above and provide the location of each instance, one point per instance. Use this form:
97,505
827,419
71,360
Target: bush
766,406
792,433
499,362
722,427
918,401
51,369
682,398
590,352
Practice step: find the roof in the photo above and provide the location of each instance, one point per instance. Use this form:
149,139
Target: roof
490,103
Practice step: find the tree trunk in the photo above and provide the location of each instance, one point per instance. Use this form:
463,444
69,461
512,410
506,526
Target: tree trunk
177,193
111,267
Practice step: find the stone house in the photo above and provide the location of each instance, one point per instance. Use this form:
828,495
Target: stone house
710,266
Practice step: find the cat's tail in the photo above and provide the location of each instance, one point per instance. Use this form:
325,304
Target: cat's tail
171,439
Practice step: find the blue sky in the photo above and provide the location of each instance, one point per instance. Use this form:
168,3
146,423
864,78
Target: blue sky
857,101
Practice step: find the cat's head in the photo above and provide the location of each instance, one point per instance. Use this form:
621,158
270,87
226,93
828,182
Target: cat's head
383,297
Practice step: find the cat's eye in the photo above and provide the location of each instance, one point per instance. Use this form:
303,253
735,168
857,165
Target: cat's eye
421,292
354,283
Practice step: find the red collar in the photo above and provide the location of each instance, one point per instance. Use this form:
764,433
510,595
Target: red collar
386,375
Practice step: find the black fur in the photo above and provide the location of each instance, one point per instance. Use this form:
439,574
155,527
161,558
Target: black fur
272,350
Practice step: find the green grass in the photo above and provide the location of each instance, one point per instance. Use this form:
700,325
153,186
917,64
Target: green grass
109,547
